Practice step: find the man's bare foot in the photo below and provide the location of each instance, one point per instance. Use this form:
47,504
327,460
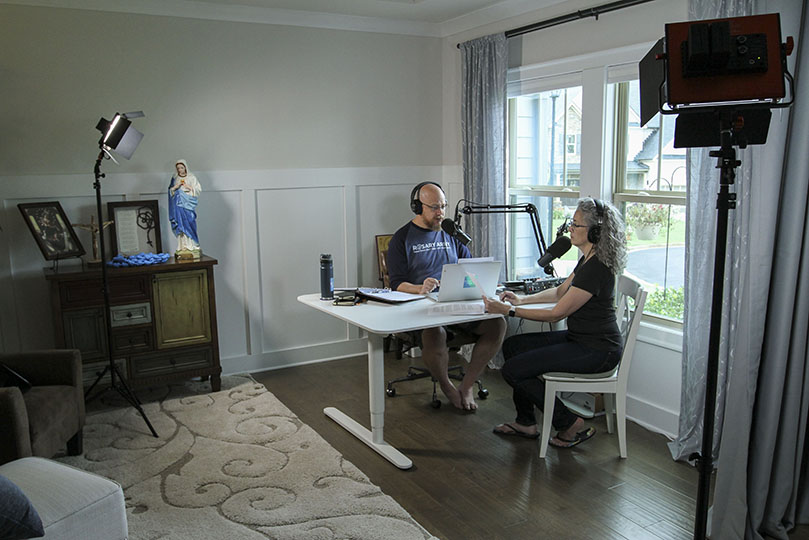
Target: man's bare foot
467,398
452,393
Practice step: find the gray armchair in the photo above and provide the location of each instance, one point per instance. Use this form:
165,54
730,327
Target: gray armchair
50,415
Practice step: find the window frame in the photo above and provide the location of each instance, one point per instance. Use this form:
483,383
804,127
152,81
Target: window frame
595,73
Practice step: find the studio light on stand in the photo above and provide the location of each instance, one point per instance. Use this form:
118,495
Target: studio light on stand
117,135
721,77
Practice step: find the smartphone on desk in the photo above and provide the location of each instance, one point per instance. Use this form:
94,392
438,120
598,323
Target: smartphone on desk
346,298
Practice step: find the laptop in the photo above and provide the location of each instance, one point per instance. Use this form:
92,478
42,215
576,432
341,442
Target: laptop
467,281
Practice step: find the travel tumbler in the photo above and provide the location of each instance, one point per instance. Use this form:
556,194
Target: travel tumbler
326,277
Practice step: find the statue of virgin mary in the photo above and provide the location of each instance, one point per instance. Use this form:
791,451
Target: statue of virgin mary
184,190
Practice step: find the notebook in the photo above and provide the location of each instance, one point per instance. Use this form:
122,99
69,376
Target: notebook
467,281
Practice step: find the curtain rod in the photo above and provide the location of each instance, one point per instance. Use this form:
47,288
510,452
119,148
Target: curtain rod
575,16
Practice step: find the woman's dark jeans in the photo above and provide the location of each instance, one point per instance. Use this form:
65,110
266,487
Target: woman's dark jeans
529,356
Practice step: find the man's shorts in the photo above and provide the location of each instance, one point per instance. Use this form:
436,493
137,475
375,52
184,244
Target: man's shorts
457,331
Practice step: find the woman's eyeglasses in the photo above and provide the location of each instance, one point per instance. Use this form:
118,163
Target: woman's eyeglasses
574,225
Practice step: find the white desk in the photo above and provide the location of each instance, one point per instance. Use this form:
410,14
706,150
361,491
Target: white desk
379,320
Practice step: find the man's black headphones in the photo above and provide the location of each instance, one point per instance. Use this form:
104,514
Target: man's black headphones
415,202
594,231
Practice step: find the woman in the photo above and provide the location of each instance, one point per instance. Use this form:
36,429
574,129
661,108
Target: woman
592,342
184,190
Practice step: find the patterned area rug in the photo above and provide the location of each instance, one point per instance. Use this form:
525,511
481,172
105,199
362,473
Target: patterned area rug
233,464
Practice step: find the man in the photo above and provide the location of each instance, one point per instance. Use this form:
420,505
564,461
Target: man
416,255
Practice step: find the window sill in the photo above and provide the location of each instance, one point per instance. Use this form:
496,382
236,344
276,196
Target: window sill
660,335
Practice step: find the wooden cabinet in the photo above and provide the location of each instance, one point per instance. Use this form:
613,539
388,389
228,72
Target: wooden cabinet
162,318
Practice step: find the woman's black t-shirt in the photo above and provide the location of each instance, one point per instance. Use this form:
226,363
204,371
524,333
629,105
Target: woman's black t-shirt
594,323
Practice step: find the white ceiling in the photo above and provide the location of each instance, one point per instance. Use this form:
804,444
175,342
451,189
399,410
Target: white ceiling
439,18
430,11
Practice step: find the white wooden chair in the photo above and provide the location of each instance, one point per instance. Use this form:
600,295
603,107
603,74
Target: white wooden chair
611,384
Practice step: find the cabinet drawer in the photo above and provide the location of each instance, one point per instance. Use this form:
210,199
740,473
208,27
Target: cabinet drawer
133,340
84,330
82,293
130,314
169,362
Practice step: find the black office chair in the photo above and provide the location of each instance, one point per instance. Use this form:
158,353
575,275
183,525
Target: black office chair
403,342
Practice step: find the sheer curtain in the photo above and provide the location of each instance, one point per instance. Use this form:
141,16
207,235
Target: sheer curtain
762,487
746,276
483,127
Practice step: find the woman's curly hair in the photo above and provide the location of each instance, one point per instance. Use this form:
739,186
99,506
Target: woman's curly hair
611,246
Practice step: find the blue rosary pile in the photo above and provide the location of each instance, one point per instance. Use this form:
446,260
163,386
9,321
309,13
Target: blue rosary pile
140,259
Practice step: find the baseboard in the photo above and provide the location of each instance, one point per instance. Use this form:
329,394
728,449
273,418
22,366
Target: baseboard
298,356
653,417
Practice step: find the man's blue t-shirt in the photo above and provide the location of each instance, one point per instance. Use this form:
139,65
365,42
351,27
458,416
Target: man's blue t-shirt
414,254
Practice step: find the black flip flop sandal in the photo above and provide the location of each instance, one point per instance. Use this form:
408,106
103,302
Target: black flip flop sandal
514,432
581,436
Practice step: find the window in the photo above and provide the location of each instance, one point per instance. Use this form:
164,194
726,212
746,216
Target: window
573,144
544,139
544,169
573,131
650,188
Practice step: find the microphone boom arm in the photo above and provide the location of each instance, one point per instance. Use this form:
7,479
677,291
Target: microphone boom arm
529,208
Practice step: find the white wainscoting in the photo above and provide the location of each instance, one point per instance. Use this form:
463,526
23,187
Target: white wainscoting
266,228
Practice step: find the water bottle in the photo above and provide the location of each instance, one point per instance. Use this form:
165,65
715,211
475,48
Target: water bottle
326,277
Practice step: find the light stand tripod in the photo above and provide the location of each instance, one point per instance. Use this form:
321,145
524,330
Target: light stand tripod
725,201
120,384
724,76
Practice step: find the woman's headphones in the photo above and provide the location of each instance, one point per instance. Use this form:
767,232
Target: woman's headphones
415,202
594,231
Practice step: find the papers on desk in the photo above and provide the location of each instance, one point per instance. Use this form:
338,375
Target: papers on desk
387,295
475,260
457,308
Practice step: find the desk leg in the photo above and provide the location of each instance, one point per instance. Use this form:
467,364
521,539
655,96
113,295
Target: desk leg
376,400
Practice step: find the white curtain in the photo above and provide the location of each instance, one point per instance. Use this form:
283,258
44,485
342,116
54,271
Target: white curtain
483,127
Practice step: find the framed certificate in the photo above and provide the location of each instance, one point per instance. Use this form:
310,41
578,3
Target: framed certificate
135,227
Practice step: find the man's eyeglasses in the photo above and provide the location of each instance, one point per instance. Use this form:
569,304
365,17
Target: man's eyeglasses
435,207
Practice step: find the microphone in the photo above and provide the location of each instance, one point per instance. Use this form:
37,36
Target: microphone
454,230
560,246
562,229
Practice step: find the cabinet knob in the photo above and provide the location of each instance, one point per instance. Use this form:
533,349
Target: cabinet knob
129,314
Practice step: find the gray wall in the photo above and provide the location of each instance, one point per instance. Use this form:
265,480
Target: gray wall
224,95
304,140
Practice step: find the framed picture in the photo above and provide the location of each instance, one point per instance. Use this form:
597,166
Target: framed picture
52,230
135,227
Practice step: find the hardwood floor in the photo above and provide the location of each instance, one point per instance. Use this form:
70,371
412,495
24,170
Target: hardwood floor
467,483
